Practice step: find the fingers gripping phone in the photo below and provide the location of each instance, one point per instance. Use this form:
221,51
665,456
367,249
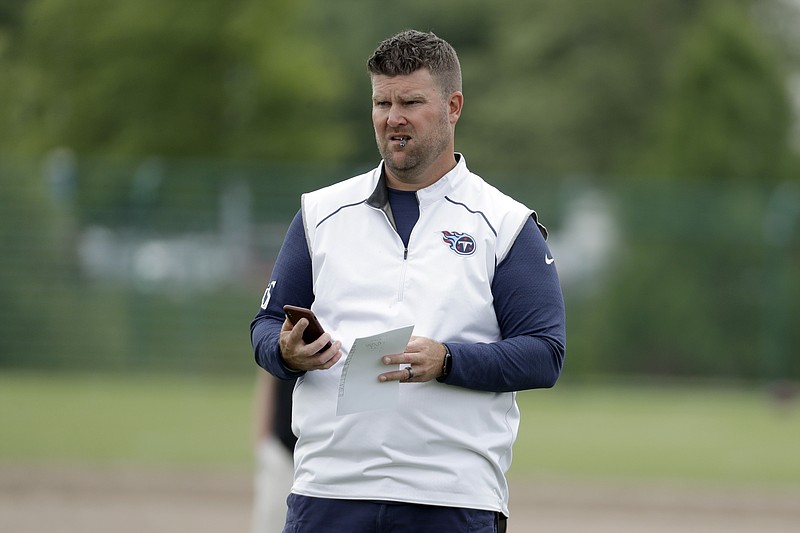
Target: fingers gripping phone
313,330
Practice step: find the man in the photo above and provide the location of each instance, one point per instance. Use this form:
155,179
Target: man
418,240
274,446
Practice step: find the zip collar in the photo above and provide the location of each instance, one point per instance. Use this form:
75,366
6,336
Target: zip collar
379,199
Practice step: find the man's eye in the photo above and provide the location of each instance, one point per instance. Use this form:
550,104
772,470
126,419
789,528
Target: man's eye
381,104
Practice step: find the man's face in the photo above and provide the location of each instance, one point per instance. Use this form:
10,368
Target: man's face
414,127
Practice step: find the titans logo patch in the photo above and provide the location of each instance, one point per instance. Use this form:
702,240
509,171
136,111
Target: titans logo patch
460,243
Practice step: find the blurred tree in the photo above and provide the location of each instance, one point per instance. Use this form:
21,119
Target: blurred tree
566,87
687,294
10,29
31,266
10,22
552,88
726,112
283,85
118,78
210,79
184,78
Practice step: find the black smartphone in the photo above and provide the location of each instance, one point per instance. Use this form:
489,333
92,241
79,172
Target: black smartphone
313,330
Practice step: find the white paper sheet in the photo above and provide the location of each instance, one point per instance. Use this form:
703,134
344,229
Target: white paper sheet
359,388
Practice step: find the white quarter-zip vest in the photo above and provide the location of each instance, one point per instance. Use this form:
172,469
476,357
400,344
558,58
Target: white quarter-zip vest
443,445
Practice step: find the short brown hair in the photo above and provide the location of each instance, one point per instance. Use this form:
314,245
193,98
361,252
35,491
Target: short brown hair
412,50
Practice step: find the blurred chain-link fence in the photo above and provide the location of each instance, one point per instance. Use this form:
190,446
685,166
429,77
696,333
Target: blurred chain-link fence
160,265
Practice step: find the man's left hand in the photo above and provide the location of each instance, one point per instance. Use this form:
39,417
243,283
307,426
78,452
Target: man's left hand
424,357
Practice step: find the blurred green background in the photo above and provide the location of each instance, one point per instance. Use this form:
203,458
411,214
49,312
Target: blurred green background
152,154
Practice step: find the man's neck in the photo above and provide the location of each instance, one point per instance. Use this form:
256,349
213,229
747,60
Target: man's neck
415,181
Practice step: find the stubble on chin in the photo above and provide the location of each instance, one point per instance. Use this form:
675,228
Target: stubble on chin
402,167
399,162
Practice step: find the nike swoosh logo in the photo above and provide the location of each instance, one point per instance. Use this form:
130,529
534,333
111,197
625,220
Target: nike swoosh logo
548,260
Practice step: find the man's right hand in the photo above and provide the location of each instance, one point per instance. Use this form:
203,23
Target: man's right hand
299,356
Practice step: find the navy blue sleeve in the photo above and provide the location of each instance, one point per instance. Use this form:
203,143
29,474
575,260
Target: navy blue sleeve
530,311
290,284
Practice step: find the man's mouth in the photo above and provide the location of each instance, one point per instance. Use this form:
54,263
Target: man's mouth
402,139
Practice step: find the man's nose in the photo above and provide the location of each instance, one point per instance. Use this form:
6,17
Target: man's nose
395,117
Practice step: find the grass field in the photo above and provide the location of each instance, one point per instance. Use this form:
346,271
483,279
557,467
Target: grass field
697,434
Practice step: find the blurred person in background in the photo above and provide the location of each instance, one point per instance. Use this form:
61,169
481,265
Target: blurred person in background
418,240
274,446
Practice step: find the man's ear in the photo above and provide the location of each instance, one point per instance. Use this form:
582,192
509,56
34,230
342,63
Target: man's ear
454,106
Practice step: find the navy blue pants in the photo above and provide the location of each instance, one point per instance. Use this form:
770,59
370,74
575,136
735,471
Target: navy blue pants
322,515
